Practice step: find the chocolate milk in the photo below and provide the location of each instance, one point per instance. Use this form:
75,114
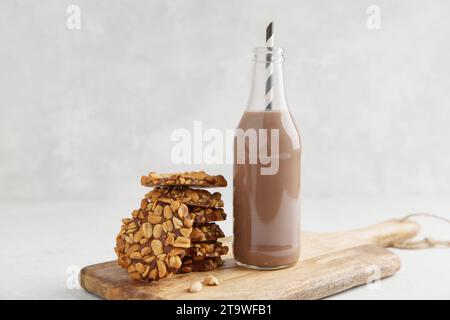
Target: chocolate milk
267,207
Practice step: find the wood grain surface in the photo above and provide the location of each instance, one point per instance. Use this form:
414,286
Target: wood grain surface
329,263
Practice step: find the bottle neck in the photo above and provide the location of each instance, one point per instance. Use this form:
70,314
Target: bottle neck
267,90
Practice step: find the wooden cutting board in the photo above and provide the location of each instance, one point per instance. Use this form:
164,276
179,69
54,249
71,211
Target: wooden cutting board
329,263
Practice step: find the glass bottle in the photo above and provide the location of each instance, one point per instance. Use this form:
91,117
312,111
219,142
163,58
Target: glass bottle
266,182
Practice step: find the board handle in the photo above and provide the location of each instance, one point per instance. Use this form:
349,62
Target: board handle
388,233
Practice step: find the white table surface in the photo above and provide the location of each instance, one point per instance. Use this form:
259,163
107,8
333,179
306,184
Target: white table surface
40,241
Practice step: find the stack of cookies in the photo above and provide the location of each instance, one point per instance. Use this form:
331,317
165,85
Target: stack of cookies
174,230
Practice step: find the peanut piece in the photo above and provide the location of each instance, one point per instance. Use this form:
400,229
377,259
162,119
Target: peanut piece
177,223
176,251
149,259
182,242
153,274
133,248
162,270
158,210
186,232
146,251
157,231
157,247
170,240
147,270
192,194
188,222
136,255
196,287
154,219
175,205
183,211
175,262
138,236
140,268
167,212
211,281
167,226
146,229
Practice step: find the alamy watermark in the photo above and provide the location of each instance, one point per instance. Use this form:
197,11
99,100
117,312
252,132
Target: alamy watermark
73,21
214,146
374,17
374,277
73,277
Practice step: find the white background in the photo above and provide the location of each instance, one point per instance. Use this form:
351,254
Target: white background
84,113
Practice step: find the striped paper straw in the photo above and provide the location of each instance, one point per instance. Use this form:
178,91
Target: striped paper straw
269,67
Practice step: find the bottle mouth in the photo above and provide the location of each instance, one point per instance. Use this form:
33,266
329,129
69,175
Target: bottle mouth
268,54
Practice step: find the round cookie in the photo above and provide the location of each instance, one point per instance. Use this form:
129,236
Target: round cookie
152,243
191,197
185,179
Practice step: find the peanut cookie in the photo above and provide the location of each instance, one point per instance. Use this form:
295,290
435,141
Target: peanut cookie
188,179
206,215
191,197
150,245
200,264
209,250
207,232
200,215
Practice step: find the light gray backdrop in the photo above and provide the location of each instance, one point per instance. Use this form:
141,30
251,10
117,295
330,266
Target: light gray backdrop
83,113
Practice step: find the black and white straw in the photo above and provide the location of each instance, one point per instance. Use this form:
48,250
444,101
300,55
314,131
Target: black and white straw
269,66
